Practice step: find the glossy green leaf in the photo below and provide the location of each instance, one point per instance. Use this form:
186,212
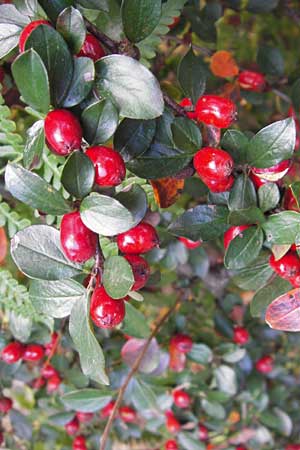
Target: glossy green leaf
270,60
34,144
242,194
139,18
246,216
81,83
117,278
262,298
102,5
186,134
253,277
55,7
192,74
9,36
100,121
71,25
31,78
86,400
190,442
9,14
268,196
235,142
132,87
201,354
143,397
78,175
244,248
213,409
27,7
20,326
133,137
282,228
226,379
135,323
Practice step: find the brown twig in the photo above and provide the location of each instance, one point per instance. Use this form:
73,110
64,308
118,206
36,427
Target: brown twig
109,43
133,370
173,105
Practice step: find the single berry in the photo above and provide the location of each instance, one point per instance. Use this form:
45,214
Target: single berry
48,371
91,48
84,417
252,81
33,352
240,335
172,424
5,404
12,352
265,364
140,269
105,311
213,164
72,427
53,383
182,343
187,102
286,267
107,410
177,360
220,186
181,398
63,132
78,242
171,444
232,233
215,110
79,443
127,414
202,432
188,243
38,383
274,173
289,201
50,345
140,239
27,32
109,166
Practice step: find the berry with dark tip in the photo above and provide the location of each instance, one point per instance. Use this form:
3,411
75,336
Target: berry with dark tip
140,269
105,311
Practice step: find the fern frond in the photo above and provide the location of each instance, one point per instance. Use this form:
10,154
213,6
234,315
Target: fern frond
15,297
11,219
9,138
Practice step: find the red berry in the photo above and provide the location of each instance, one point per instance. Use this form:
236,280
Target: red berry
127,414
232,233
171,444
78,242
91,48
72,427
240,335
107,410
28,30
172,424
177,360
220,186
273,173
202,432
84,417
12,352
79,443
62,131
188,243
140,269
33,352
286,267
181,398
140,239
175,22
240,447
188,102
289,201
109,166
48,371
182,343
38,383
53,383
213,164
105,311
5,404
49,346
215,110
252,81
292,447
264,364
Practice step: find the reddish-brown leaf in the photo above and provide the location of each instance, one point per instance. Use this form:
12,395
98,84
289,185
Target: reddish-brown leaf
223,64
284,312
167,190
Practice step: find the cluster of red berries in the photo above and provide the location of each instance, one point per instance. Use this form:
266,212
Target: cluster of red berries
180,345
173,426
125,413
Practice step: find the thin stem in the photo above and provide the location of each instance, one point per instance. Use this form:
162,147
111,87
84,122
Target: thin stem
134,369
173,105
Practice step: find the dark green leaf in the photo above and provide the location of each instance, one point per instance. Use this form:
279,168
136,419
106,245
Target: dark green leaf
257,6
135,323
78,175
213,409
37,252
190,442
140,17
262,299
201,354
31,78
33,190
243,194
27,7
244,248
268,196
270,60
20,326
86,400
55,7
254,276
272,144
133,137
70,24
82,82
191,75
90,353
282,228
61,418
142,396
247,216
102,5
186,134
117,277
235,143
9,36
34,144
295,94
130,85
226,380
100,121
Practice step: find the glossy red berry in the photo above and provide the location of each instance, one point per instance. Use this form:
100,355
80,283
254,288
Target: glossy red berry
187,102
107,410
109,166
188,243
220,186
274,173
50,345
78,242
5,404
233,232
38,383
140,269
84,417
48,371
91,48
53,383
105,311
265,364
28,30
292,447
213,164
62,131
172,424
79,443
127,414
182,343
33,352
140,239
215,110
240,335
12,352
286,267
171,444
252,81
181,398
72,427
240,447
202,432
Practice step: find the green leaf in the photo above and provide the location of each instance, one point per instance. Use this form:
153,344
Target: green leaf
102,5
213,409
270,60
34,144
27,7
268,196
55,7
132,87
81,83
140,17
272,144
226,380
133,137
201,354
53,50
10,15
86,400
243,194
186,134
135,323
246,216
282,228
244,249
254,276
110,216
78,175
9,36
235,143
37,252
117,278
262,298
231,353
55,298
90,353
189,442
257,6
100,121
31,78
71,25
20,326
142,396
34,191
206,222
192,73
